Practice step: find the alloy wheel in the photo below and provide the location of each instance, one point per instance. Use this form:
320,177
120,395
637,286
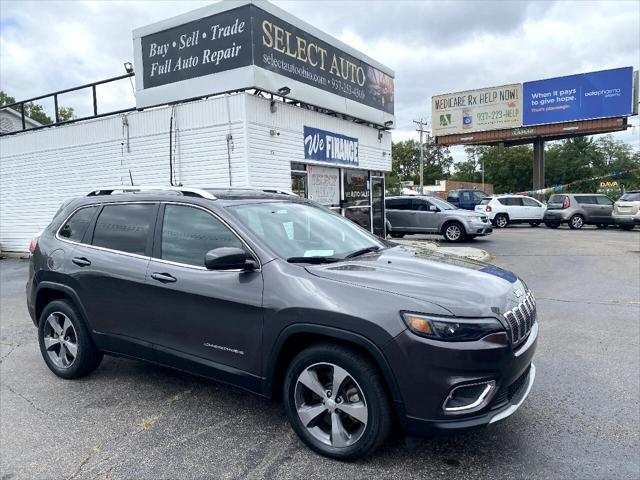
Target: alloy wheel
577,222
331,405
501,221
453,232
60,340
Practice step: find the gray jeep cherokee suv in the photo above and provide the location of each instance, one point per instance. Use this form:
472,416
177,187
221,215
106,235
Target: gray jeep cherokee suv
282,297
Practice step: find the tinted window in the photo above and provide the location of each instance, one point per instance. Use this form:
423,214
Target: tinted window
631,197
124,227
421,205
453,194
602,200
479,195
530,202
586,199
398,204
465,196
75,228
513,202
188,233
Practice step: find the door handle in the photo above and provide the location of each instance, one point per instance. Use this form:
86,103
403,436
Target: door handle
81,261
163,277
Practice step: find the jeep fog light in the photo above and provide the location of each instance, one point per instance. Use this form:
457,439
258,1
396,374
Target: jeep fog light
469,398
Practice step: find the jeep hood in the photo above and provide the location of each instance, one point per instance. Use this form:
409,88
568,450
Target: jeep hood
466,288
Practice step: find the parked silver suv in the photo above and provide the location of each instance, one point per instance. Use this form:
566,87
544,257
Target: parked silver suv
578,210
408,214
626,211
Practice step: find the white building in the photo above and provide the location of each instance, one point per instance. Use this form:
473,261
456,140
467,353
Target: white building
235,140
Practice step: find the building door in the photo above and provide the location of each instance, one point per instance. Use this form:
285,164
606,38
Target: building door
377,206
299,179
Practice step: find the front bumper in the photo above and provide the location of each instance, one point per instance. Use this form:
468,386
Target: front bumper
419,426
427,371
479,228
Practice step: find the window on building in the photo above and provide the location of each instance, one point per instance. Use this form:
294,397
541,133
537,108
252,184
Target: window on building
76,226
188,233
124,227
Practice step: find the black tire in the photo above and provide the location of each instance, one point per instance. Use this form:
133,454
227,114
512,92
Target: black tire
501,220
453,232
552,224
602,226
378,421
87,357
576,222
627,227
534,224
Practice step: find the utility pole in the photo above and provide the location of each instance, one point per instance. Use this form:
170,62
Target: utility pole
420,123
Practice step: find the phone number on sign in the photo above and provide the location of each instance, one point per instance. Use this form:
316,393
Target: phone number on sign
498,114
347,88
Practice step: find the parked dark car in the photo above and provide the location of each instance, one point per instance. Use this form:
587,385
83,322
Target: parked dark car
465,198
283,297
578,210
413,214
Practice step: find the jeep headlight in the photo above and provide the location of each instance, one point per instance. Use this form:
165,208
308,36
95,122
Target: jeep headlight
451,329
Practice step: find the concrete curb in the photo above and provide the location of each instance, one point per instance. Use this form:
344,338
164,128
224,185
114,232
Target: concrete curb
466,252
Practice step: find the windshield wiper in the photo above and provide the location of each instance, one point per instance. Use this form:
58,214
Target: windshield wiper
313,260
362,251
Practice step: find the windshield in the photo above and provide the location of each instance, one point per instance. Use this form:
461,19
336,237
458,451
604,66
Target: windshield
295,230
441,204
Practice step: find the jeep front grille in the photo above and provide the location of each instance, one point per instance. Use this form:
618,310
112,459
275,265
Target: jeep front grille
521,319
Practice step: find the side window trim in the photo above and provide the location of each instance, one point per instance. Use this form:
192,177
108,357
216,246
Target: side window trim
156,251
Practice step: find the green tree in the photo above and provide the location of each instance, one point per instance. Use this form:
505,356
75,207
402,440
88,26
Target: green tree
36,112
405,157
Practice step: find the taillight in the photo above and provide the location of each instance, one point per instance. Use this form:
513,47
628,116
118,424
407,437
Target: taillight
487,208
565,203
34,242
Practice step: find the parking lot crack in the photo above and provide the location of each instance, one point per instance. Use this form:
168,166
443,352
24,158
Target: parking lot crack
28,400
13,347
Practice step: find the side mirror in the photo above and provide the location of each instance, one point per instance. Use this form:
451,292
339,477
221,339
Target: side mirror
228,258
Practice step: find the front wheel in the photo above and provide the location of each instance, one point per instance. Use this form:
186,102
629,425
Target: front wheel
336,402
576,222
454,232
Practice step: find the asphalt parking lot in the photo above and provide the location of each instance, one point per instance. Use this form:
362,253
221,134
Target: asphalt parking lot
133,420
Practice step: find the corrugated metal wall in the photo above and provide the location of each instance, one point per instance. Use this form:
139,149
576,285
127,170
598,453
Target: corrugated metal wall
41,169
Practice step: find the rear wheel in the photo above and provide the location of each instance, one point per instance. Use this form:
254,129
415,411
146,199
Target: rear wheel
453,232
576,222
65,344
501,220
534,224
627,227
336,402
552,224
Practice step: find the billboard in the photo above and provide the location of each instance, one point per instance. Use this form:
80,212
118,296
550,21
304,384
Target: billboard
330,147
585,96
477,110
235,45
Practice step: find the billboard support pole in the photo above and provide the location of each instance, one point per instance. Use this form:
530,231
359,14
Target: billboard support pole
538,164
421,130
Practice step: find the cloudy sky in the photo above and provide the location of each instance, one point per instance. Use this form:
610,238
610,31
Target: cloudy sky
434,47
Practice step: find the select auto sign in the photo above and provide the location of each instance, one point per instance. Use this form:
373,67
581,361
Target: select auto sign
207,55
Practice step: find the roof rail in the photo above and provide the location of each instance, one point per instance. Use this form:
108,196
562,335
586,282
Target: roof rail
259,189
195,192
